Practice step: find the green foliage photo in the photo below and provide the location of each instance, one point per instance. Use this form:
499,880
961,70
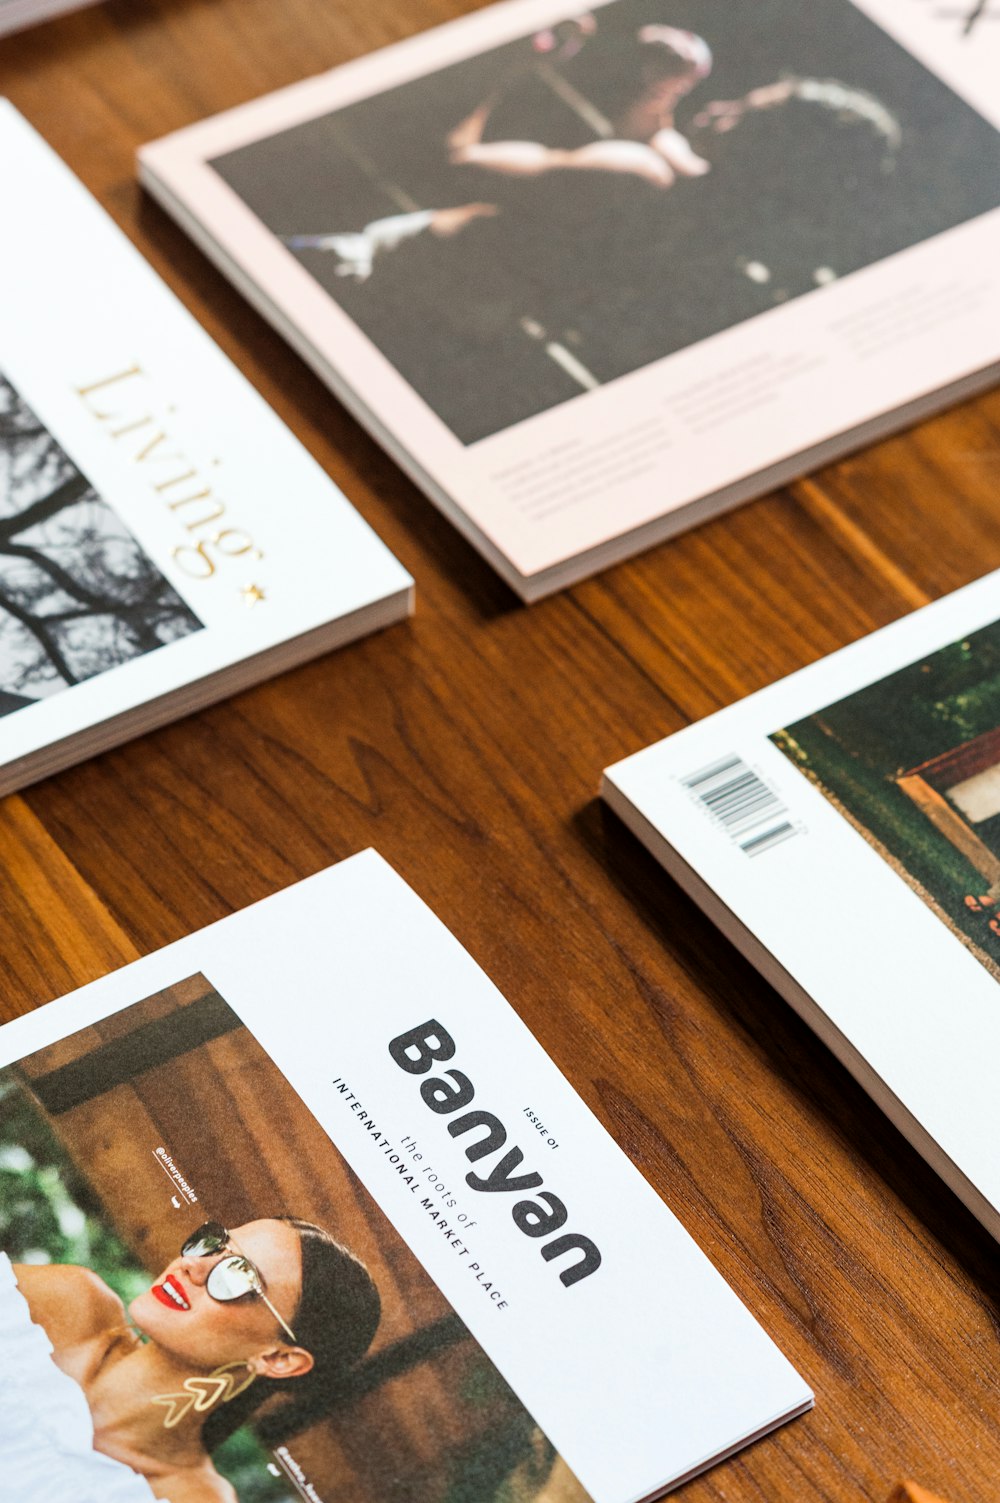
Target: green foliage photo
856,749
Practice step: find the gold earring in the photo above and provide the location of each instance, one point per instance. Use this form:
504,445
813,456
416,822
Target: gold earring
201,1394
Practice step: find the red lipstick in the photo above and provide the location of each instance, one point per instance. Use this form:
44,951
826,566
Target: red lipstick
171,1293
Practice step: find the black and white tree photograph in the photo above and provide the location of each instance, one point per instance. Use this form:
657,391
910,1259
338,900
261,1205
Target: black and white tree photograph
78,595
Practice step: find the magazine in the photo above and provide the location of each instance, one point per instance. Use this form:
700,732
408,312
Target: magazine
164,539
302,1213
843,828
594,275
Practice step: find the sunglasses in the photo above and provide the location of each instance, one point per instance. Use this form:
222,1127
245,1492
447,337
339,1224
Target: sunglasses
233,1277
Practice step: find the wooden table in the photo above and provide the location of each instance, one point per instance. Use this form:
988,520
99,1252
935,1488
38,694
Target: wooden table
467,747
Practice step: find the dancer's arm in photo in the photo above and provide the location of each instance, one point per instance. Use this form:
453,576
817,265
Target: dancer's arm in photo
841,101
525,159
723,115
641,140
357,251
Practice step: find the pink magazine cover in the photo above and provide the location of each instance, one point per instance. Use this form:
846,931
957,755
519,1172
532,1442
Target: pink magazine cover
593,275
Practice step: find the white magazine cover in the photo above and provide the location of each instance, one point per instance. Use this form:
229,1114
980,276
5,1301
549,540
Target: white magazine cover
463,1290
843,828
16,14
591,275
164,539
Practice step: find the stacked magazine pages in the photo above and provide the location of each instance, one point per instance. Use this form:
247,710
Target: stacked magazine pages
843,828
164,539
591,277
343,1191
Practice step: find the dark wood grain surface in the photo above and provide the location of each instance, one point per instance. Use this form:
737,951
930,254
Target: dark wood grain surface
467,747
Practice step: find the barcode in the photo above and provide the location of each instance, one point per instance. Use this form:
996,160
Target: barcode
737,798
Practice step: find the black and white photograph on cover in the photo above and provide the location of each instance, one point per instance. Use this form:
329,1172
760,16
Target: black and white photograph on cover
78,595
913,762
534,222
200,1302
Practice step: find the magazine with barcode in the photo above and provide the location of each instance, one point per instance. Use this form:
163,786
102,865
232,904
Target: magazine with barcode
164,539
843,828
593,274
297,1208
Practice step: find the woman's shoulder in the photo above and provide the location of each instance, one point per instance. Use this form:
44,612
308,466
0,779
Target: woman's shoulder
69,1302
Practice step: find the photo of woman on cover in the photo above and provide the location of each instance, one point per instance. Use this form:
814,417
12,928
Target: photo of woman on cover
169,1342
913,761
533,222
167,1388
